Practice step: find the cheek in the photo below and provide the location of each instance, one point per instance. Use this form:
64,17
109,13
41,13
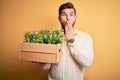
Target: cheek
73,19
63,20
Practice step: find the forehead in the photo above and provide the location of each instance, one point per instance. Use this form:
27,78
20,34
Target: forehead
68,10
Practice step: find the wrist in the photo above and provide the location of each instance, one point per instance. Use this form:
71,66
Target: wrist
71,40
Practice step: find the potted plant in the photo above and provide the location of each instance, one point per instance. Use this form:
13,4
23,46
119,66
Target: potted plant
42,46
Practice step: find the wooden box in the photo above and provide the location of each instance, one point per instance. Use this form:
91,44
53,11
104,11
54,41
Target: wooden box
47,53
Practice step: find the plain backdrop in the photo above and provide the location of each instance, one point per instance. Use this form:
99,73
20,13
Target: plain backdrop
99,18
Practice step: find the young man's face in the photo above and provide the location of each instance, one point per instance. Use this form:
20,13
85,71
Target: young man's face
67,15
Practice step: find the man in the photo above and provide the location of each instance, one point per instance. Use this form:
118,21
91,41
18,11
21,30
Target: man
77,51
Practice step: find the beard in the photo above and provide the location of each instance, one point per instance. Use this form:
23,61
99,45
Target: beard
63,25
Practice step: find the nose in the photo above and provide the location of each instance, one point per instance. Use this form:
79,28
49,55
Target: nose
67,17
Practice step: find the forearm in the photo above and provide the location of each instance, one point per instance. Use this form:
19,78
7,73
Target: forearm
82,51
83,57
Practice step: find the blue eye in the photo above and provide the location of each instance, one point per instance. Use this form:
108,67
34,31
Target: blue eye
72,14
63,14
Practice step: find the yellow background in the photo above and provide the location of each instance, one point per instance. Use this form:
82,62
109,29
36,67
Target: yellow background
100,18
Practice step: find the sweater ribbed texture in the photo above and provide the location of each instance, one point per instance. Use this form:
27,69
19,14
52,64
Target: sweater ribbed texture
75,58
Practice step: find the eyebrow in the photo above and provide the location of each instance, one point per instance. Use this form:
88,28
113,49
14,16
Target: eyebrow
63,12
70,12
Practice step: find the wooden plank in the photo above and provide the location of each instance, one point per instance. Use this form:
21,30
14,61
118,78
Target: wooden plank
40,57
35,47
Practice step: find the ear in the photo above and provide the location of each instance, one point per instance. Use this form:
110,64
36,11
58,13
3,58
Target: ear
59,18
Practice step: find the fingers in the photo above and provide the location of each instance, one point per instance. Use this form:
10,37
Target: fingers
66,28
69,30
70,25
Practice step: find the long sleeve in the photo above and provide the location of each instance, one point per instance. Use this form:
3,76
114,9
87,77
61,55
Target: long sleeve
82,49
45,66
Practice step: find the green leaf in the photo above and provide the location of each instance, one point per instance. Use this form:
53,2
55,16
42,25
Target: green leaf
44,36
